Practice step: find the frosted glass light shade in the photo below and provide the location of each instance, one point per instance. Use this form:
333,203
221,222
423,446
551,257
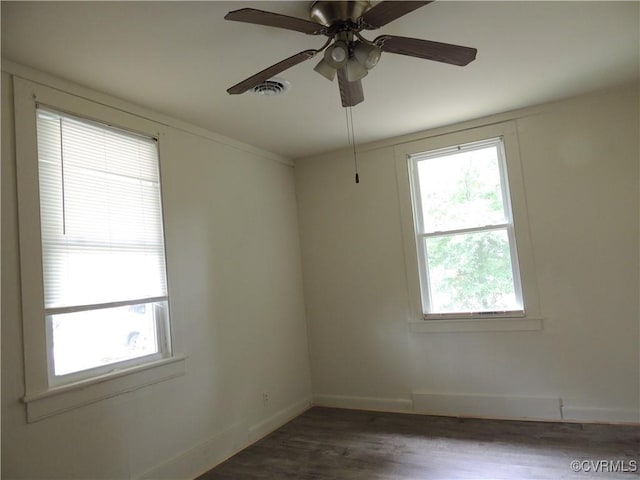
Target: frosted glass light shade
367,55
326,70
354,70
335,57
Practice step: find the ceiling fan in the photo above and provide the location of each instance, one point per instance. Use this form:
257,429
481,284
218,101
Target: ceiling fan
347,53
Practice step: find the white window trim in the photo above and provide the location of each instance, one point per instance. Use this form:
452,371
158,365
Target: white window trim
528,320
43,400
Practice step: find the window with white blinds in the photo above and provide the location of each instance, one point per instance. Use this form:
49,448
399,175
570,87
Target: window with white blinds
105,286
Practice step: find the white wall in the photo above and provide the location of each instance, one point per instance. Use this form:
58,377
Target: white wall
235,281
580,171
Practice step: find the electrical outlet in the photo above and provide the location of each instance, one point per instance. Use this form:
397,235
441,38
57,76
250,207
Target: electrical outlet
265,398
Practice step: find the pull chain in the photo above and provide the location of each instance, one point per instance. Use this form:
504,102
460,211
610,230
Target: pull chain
352,140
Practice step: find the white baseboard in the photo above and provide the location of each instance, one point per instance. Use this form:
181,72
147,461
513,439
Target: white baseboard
275,421
364,403
191,463
489,406
201,458
483,406
601,415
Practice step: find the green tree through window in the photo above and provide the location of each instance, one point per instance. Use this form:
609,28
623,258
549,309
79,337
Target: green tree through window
464,230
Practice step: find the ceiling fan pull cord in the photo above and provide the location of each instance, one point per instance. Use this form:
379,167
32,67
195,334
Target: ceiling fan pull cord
351,137
353,145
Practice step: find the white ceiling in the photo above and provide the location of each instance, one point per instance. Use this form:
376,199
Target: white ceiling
179,58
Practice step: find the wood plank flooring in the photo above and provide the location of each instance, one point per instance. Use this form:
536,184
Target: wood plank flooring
337,444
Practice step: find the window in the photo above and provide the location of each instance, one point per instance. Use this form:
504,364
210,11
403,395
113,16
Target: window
463,211
464,230
105,289
94,287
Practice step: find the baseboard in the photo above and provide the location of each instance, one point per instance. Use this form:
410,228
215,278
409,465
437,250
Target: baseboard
488,406
364,403
189,464
275,421
201,458
483,406
601,415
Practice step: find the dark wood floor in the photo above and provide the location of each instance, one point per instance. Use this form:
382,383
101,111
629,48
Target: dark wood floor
325,443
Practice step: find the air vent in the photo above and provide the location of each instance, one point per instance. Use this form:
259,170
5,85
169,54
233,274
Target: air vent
273,86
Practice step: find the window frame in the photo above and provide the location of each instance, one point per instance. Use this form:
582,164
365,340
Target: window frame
422,234
42,397
419,318
161,322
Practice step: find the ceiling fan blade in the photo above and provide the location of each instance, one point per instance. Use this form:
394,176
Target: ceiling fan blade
414,47
385,12
351,93
269,72
270,19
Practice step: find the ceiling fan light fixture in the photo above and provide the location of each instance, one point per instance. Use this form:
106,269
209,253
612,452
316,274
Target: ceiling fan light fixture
335,57
337,54
326,70
354,70
367,55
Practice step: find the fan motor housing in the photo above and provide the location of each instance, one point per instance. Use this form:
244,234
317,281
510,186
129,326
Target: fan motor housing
329,12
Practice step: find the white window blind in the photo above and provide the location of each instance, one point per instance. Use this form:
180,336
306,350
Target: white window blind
101,216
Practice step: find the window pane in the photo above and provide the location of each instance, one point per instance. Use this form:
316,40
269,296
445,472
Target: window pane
84,340
461,190
471,272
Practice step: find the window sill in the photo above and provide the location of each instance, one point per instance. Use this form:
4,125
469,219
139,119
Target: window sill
60,399
496,324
